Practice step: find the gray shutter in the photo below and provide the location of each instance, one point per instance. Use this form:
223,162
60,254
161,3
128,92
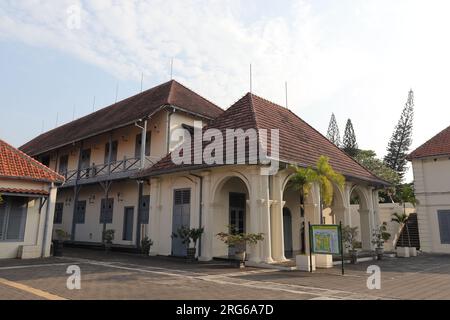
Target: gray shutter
2,219
106,210
144,210
444,225
16,220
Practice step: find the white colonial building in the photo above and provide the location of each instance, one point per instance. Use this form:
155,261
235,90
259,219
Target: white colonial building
117,180
431,166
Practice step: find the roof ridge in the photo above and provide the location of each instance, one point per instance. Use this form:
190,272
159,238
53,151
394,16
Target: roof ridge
411,155
187,88
293,113
31,160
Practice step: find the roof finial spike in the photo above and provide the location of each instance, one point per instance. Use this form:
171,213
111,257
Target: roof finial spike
251,78
73,113
93,105
286,93
171,69
56,123
142,80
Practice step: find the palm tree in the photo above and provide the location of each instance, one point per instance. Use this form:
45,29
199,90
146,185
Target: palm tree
402,220
324,175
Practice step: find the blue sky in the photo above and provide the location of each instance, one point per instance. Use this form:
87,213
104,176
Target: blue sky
355,58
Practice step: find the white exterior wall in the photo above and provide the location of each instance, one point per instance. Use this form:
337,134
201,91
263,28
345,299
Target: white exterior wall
432,188
35,222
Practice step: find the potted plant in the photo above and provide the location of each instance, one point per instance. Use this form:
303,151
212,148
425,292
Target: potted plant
379,237
108,237
58,242
402,220
188,235
238,241
349,235
146,245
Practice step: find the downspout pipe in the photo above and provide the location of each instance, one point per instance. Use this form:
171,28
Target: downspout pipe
47,212
143,142
200,212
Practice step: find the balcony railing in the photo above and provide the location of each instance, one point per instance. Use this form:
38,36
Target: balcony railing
111,169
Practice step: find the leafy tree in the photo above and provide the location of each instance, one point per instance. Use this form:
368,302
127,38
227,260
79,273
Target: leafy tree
369,160
324,175
349,144
333,131
400,142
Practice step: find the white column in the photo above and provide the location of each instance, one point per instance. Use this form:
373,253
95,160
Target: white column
48,221
207,219
265,203
155,212
312,211
277,238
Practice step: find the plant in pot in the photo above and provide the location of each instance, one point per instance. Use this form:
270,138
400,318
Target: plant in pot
188,235
108,237
58,242
349,235
146,245
379,237
238,241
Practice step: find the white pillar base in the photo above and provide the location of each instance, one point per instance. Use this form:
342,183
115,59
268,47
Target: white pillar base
304,262
324,261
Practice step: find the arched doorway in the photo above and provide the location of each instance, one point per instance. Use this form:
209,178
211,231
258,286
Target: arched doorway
229,209
287,232
359,217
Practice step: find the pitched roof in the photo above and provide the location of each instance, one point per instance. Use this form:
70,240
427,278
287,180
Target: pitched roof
23,191
123,113
439,145
299,143
16,164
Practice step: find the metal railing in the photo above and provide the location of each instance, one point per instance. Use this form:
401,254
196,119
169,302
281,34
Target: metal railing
101,170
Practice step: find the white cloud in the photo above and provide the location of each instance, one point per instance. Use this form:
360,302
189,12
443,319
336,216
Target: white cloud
355,58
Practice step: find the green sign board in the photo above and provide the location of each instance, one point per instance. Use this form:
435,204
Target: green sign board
325,239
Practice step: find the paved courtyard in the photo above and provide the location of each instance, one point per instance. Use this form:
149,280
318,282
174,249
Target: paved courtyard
128,276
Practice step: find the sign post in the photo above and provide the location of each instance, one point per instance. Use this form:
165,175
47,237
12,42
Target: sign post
326,239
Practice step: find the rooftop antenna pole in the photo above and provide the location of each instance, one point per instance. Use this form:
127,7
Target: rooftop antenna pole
73,113
171,69
286,92
250,78
142,80
117,92
93,105
56,124
42,130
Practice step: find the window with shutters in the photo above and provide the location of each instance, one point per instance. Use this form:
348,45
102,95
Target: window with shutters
182,196
63,164
144,210
106,210
113,152
80,212
137,150
444,225
58,213
13,216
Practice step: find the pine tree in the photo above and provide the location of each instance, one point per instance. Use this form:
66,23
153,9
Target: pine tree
333,131
401,139
349,144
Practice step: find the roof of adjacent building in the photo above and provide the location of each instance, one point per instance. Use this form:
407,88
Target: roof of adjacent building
123,113
439,145
299,143
24,191
14,164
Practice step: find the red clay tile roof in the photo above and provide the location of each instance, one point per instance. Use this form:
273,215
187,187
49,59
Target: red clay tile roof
16,164
123,113
24,191
439,145
299,142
